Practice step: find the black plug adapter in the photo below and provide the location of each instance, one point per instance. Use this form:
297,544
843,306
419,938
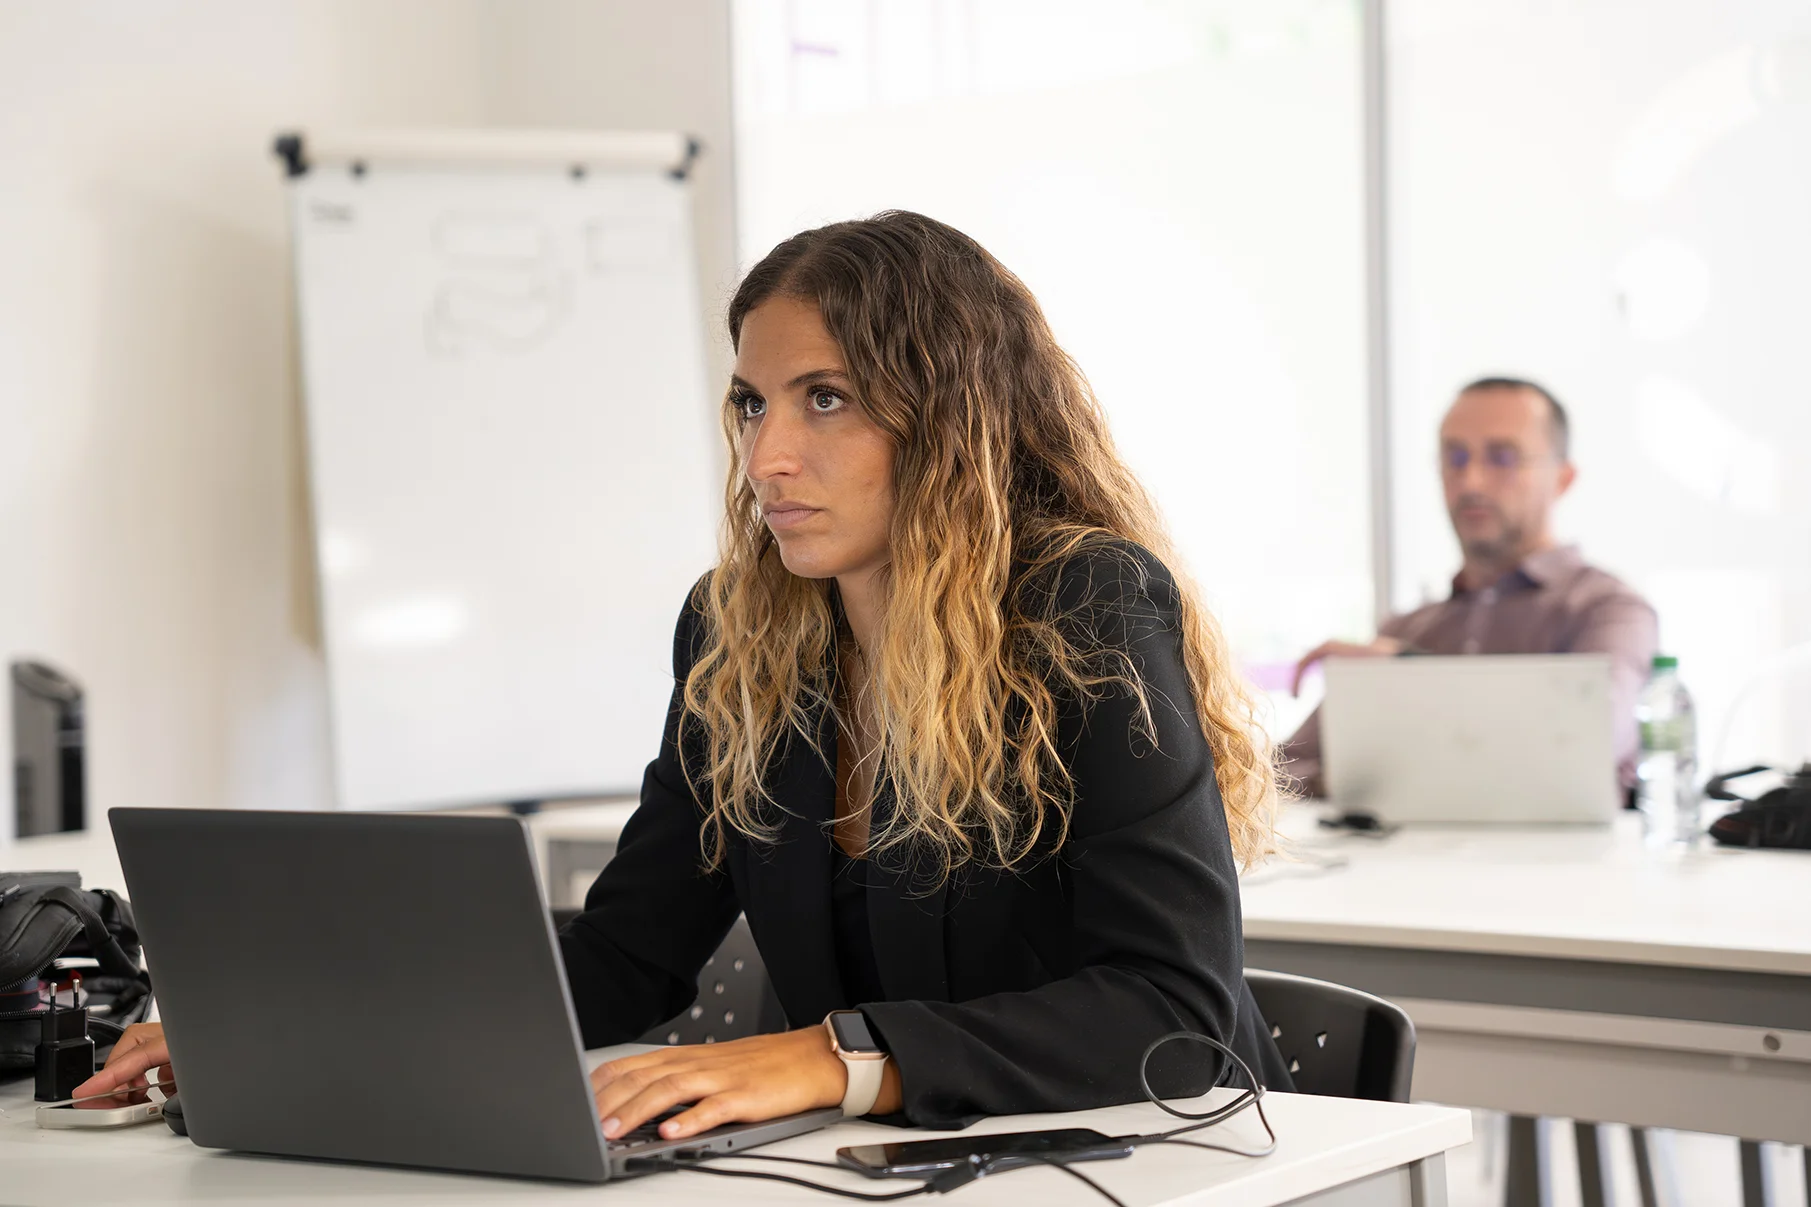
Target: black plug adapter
65,1052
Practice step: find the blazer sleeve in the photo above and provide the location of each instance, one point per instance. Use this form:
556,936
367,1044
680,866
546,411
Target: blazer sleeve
655,914
1152,888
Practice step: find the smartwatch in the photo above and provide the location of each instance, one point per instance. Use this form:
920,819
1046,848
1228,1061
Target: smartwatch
854,1044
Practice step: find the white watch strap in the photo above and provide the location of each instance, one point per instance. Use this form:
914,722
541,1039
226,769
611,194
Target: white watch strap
864,1084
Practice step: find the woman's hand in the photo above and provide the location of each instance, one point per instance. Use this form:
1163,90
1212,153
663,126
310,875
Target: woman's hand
139,1051
743,1081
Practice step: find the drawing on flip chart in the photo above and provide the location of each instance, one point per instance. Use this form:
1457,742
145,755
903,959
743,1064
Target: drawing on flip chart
505,288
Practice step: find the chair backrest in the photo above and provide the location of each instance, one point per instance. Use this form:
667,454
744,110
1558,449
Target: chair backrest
1337,1041
735,999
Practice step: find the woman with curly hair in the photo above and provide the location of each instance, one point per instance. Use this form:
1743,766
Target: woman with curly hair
948,727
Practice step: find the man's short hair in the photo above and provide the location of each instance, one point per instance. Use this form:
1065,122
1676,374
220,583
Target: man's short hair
1556,414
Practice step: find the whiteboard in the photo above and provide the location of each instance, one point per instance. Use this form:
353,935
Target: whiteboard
511,451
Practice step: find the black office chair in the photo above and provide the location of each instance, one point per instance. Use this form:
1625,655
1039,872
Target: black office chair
1337,1041
735,998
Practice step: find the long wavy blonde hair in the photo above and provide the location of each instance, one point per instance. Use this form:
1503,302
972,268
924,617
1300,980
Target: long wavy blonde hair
1003,467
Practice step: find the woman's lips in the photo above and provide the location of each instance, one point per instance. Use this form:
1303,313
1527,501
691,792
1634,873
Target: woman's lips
789,517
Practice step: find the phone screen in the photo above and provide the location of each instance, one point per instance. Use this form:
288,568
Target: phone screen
923,1156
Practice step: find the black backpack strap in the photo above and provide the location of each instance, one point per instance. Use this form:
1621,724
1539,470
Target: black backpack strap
1718,787
38,925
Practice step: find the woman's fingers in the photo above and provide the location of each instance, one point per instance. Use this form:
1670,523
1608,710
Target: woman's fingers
746,1080
128,1070
616,1070
655,1096
139,1050
714,1111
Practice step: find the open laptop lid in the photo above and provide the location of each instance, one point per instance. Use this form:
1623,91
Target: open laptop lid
1508,739
362,987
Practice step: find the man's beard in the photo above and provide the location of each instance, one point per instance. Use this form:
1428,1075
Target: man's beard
1496,550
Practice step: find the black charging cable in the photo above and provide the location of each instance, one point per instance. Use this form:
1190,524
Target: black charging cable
705,1166
1079,1176
978,1166
1250,1098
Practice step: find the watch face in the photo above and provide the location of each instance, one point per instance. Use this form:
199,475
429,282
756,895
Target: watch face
852,1034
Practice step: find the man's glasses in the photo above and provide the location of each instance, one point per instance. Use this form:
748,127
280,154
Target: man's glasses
1497,458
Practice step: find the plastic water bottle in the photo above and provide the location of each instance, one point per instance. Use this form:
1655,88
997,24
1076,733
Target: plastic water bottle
1668,774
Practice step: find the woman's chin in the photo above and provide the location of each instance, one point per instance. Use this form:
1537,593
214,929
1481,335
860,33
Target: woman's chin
800,559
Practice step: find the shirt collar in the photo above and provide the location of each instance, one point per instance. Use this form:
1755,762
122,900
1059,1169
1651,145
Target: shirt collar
1537,569
1543,567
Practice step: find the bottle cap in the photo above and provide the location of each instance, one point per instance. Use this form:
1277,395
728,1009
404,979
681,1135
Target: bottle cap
1665,662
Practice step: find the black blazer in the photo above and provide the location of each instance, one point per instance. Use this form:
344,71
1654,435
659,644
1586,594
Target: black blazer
1007,993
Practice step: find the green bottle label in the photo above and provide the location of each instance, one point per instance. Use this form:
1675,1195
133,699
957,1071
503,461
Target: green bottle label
1664,735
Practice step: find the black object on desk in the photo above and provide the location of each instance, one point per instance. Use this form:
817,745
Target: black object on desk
1357,821
49,751
65,1052
1780,819
49,928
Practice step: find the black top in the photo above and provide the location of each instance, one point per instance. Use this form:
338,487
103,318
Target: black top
849,918
1005,993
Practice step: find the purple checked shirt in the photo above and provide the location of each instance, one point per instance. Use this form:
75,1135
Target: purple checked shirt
1553,603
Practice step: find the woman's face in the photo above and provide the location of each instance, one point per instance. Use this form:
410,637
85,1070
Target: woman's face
821,470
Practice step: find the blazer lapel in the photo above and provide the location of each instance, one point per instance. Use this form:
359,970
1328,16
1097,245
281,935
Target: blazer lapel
789,882
905,918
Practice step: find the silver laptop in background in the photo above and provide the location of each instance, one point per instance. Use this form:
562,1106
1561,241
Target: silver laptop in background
375,987
1525,739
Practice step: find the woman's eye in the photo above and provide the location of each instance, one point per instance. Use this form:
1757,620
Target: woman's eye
751,407
824,401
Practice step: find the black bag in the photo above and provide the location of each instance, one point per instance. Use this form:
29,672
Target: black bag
42,921
1780,819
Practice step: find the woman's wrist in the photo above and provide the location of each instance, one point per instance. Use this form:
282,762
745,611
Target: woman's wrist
892,1090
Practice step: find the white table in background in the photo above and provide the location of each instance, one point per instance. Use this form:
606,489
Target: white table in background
1568,972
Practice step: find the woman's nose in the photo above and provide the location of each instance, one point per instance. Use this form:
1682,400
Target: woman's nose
773,448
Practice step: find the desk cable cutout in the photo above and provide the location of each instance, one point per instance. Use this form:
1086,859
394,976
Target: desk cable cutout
945,1181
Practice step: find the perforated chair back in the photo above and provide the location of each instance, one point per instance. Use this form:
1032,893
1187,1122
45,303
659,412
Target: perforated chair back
1337,1041
735,999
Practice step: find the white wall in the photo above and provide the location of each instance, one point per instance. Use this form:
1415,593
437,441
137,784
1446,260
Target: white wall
630,64
1180,184
153,513
1610,198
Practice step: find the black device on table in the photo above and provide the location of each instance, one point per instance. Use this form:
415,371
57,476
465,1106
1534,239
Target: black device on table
990,1154
1780,819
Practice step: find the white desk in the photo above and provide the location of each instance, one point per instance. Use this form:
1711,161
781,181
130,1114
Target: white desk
1549,972
1567,972
1332,1152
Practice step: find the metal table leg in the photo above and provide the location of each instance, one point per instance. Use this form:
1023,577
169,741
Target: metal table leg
1593,1171
1644,1167
1757,1185
1528,1172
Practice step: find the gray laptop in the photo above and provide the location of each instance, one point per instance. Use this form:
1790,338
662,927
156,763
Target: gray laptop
374,987
1517,739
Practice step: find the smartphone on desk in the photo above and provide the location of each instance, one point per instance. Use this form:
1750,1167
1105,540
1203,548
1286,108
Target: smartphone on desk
1010,1150
116,1108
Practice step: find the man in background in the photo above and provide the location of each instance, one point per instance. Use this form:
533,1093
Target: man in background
1504,463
